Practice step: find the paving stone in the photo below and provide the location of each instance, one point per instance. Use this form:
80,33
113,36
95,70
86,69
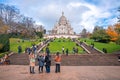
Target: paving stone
21,72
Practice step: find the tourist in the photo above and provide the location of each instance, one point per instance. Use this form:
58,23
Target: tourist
40,63
6,59
32,62
44,55
34,50
92,45
67,52
63,49
119,57
57,62
81,42
47,63
76,50
73,50
47,51
19,49
29,50
1,61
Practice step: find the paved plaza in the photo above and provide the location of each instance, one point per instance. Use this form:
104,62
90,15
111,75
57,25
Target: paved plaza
21,72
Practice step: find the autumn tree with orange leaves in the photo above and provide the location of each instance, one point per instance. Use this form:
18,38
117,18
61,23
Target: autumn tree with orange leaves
114,32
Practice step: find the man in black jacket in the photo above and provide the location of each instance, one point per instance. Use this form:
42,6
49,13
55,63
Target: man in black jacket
48,63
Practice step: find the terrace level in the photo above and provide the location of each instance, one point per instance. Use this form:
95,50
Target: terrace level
61,36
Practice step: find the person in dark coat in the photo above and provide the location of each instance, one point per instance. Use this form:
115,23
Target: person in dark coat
47,51
48,63
29,51
119,57
67,52
19,49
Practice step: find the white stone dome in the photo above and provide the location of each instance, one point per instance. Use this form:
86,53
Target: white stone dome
62,20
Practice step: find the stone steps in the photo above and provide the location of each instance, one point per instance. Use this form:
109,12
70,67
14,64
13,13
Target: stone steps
89,49
73,60
92,50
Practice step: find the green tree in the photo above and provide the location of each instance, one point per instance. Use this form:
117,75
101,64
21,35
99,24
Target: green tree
84,33
39,34
4,42
100,35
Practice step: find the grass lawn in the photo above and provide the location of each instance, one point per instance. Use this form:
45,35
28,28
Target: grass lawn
57,45
15,42
111,47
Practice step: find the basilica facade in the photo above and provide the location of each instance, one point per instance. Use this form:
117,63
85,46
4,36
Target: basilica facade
63,27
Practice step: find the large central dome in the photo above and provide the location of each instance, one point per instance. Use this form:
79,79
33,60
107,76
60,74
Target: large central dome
62,20
63,26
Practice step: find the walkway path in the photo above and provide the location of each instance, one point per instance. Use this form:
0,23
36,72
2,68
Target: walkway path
88,49
17,72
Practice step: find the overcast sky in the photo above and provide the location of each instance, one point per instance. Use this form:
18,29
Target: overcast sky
80,13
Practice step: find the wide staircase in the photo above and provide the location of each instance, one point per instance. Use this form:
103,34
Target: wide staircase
94,58
88,48
73,60
19,59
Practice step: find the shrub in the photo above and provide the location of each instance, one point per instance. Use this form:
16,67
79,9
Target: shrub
77,44
48,44
3,54
59,41
118,41
104,50
4,43
1,46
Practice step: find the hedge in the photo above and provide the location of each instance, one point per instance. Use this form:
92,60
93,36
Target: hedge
4,43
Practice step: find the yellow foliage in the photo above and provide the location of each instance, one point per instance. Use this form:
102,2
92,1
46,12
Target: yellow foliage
1,46
112,33
3,27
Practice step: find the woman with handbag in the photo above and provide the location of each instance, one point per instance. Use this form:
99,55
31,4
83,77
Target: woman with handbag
32,62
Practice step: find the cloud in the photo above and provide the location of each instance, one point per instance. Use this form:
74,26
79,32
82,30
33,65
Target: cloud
80,13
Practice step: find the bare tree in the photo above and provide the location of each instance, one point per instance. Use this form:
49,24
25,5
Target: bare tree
8,14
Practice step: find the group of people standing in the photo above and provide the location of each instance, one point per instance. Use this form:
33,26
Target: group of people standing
75,50
43,60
